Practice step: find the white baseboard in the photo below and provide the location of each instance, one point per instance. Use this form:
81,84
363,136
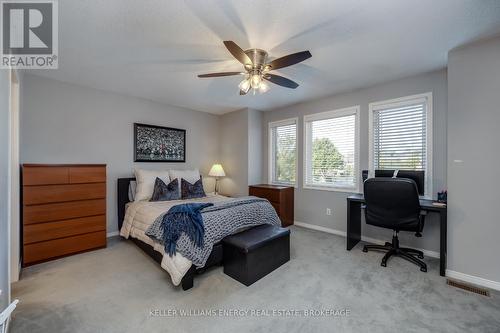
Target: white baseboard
112,234
478,281
432,254
320,228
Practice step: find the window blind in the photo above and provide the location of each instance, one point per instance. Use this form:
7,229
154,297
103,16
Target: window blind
284,152
400,137
331,151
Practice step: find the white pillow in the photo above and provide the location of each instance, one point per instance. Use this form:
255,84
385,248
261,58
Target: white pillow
191,176
146,182
132,188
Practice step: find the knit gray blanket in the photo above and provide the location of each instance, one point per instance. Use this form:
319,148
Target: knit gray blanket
220,220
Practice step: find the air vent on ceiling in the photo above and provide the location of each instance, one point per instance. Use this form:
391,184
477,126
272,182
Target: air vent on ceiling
468,287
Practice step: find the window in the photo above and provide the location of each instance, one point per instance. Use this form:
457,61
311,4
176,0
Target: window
283,152
401,135
331,150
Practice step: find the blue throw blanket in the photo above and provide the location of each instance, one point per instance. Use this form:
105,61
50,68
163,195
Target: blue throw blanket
183,218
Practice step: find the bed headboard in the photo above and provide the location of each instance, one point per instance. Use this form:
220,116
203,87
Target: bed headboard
122,196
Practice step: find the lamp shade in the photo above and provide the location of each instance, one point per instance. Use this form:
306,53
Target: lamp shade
217,171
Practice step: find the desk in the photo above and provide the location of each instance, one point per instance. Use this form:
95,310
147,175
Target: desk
354,203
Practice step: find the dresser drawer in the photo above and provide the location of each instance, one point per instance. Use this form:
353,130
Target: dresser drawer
63,211
41,175
91,174
42,251
269,194
60,193
52,230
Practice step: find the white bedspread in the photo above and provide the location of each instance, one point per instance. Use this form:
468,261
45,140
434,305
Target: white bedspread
140,215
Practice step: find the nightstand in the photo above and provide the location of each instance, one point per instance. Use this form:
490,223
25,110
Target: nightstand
281,197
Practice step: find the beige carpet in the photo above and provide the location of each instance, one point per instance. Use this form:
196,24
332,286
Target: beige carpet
120,289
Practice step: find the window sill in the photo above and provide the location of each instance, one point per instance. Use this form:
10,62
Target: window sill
331,189
284,184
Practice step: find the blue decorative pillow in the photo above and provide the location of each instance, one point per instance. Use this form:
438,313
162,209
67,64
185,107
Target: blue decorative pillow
164,192
191,191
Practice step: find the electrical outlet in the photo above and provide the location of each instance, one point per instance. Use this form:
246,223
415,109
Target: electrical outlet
328,211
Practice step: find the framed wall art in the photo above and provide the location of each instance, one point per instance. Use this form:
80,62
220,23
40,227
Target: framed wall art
159,144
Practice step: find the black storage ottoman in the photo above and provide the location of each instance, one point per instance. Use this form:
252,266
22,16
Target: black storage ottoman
252,254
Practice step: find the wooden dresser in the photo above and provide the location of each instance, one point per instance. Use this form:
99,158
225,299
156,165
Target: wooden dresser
63,210
281,197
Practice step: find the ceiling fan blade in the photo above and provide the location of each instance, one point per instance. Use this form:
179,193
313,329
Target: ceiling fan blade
281,81
219,74
289,60
237,52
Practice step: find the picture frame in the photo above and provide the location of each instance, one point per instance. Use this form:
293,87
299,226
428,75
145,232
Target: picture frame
154,143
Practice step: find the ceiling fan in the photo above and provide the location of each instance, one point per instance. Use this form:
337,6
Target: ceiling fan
257,68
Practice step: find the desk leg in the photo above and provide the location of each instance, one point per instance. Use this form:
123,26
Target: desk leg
353,223
442,250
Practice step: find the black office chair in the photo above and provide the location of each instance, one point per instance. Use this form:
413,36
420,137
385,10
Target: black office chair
393,203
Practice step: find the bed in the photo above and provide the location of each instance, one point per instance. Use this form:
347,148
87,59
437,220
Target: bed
134,218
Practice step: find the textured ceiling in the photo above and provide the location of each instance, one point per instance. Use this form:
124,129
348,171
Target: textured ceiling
155,48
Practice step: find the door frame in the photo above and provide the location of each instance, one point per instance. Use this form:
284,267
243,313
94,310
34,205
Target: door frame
14,184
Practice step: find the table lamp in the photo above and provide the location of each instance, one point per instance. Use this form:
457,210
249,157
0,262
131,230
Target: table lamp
217,171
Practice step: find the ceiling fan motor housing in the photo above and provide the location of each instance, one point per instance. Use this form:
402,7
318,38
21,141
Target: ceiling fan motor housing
258,58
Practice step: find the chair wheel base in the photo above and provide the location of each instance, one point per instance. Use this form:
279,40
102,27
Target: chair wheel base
394,250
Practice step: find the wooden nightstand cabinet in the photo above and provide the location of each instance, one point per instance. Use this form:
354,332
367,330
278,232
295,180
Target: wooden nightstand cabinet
281,197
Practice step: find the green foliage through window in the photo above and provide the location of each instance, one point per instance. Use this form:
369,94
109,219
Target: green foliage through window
331,150
284,140
285,159
327,161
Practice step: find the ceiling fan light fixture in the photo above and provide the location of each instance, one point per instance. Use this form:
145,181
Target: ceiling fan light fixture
255,81
264,87
245,85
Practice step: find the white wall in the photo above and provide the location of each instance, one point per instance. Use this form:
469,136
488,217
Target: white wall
310,205
255,118
241,155
66,123
4,190
474,159
234,152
